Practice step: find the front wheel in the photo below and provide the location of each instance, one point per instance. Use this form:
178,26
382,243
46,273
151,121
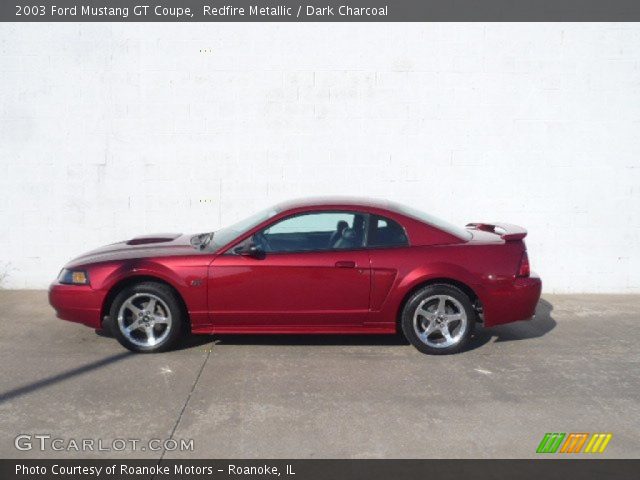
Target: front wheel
438,319
147,317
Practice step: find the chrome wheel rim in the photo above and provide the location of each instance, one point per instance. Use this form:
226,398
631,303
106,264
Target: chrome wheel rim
440,321
144,319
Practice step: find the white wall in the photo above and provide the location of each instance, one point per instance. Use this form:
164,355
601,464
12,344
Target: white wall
111,130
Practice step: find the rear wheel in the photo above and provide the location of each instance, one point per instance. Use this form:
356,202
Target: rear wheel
147,317
438,319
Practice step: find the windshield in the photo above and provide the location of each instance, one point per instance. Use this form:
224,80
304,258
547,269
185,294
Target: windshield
230,233
435,221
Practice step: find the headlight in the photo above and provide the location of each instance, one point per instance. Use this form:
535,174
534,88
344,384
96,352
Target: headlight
73,277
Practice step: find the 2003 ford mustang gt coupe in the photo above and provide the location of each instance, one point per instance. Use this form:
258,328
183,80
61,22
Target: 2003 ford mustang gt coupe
326,267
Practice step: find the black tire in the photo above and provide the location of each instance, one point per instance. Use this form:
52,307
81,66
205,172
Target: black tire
166,299
461,302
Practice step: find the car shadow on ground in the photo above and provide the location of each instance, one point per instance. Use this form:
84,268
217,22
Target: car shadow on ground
293,340
539,326
187,342
542,324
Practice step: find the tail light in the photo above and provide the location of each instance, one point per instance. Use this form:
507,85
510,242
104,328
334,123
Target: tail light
524,270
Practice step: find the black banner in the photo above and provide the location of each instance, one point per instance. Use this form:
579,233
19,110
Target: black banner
324,11
546,469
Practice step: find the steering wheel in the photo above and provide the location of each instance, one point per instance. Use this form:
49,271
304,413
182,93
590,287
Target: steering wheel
261,241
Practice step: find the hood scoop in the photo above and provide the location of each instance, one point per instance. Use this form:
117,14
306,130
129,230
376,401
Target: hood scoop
157,238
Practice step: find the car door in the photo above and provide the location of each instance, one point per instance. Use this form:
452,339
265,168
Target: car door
312,275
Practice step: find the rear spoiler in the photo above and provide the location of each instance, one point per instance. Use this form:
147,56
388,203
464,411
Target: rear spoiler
506,231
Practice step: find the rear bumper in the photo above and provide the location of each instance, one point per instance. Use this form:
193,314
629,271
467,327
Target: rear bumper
513,302
76,303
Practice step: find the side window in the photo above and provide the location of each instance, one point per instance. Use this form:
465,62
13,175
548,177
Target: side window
384,232
313,232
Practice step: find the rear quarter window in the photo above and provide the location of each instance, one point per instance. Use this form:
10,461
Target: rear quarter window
384,232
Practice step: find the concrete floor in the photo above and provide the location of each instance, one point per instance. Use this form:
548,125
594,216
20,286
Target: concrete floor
575,368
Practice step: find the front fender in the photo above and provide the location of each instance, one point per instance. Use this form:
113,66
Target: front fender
189,281
143,268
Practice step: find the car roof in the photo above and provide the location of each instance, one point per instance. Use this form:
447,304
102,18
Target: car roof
421,231
335,201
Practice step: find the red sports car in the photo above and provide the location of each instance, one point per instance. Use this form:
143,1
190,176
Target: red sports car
331,266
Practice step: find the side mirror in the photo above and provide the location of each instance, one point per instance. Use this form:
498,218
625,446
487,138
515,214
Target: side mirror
252,251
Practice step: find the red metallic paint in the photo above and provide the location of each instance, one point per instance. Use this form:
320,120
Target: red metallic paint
312,292
290,289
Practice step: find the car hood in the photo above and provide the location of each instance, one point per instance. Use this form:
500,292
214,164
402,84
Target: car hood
158,245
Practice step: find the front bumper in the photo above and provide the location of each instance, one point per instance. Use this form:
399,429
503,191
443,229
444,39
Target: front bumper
77,303
513,302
